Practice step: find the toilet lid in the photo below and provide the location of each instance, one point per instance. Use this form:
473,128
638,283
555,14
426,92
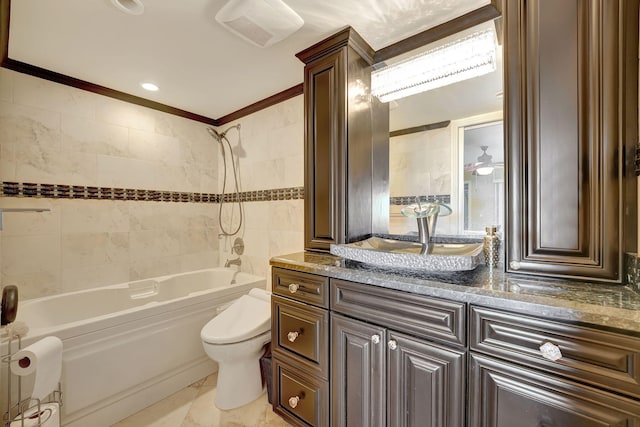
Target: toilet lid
246,318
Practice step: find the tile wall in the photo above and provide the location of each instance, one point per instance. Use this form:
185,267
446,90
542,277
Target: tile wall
135,190
420,165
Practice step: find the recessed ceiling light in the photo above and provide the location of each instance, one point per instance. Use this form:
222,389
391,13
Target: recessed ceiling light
131,7
149,86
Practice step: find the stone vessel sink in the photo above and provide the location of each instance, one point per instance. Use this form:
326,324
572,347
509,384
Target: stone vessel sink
412,255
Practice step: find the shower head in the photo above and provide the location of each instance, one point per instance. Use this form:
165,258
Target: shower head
219,136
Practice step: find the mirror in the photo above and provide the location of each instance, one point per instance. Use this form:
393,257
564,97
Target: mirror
437,145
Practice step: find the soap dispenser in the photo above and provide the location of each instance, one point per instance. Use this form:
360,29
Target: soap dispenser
491,247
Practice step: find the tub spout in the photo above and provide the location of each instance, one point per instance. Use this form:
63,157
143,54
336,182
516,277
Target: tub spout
230,262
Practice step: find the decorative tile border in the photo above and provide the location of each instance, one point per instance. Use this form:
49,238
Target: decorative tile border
292,193
407,200
59,191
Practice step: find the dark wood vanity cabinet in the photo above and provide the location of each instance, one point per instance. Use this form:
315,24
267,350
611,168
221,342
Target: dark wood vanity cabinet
595,382
571,104
368,357
352,354
505,394
300,347
383,376
346,144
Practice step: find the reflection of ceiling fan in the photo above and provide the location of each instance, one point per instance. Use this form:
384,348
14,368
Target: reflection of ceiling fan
484,165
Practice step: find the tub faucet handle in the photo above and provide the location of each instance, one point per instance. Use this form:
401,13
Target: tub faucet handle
238,246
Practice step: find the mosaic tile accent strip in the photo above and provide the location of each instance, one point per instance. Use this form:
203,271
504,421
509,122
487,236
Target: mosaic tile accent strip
61,191
293,193
407,200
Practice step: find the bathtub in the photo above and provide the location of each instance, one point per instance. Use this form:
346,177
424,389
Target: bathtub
126,346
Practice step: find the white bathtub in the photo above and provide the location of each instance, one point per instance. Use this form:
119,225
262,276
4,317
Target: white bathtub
129,345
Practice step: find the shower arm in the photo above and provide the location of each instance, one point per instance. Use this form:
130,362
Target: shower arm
220,135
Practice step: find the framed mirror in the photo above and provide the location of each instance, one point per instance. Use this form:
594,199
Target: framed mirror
436,147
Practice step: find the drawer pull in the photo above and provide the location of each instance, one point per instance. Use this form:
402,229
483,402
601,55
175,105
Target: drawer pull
293,401
291,336
293,287
550,351
375,339
392,344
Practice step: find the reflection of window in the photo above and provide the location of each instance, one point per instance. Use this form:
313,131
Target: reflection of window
482,155
466,205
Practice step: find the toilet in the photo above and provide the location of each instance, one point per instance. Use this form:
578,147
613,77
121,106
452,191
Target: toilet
235,339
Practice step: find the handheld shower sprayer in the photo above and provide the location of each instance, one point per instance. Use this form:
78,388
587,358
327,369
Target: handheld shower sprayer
220,137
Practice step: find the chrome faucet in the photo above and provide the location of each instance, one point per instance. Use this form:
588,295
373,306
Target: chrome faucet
235,261
426,214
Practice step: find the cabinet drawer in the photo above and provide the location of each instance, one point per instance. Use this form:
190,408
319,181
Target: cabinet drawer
594,356
300,398
418,315
300,335
503,394
302,287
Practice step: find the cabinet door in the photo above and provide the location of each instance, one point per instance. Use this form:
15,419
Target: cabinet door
426,385
566,129
505,395
357,373
324,151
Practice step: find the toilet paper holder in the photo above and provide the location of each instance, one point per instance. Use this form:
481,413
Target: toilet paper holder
20,412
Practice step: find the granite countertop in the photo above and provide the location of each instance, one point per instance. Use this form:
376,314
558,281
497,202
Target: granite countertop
609,306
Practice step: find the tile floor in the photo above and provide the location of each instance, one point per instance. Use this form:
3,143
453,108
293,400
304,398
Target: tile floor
194,407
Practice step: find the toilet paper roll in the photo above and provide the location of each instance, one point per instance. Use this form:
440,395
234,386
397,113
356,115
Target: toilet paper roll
43,359
48,416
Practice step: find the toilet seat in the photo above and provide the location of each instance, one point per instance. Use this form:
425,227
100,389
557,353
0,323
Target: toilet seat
246,318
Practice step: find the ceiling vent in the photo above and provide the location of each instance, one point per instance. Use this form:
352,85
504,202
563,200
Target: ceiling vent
131,7
260,22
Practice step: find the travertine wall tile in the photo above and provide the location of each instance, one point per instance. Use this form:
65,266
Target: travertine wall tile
56,134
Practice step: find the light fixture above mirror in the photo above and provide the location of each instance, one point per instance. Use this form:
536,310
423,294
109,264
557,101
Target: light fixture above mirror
468,57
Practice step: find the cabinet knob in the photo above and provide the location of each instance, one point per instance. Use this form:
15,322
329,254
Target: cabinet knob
550,351
293,287
293,401
392,344
291,336
375,339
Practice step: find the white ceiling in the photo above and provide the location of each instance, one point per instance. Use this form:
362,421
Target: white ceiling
199,66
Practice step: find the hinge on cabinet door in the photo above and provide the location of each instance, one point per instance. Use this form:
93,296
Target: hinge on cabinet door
636,160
